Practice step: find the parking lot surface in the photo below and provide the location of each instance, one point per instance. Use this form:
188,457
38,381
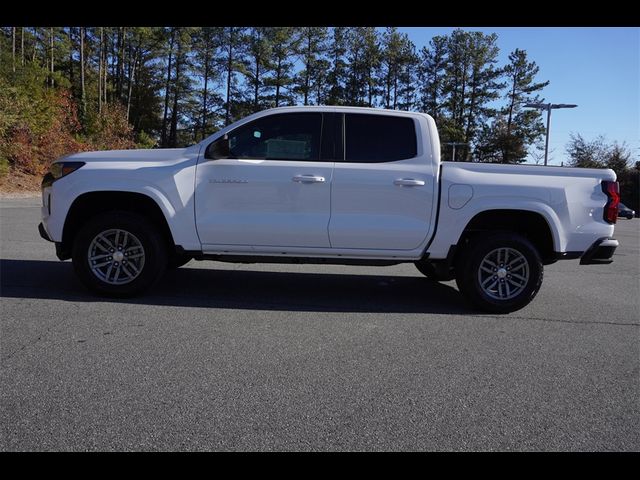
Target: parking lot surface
305,357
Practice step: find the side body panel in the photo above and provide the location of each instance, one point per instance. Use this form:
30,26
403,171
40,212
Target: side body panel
371,208
166,176
258,202
570,200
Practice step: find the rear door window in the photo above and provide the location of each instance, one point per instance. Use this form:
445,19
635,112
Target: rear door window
379,138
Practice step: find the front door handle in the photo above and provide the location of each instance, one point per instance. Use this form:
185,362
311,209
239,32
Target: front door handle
408,182
308,179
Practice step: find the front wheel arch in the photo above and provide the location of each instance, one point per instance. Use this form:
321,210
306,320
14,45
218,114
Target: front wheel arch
90,204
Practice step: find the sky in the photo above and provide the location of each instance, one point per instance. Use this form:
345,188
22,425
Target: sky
596,68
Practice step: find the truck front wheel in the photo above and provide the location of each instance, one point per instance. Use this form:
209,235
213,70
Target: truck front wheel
119,254
499,272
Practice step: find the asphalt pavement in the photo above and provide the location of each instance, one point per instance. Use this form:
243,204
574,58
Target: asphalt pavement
307,357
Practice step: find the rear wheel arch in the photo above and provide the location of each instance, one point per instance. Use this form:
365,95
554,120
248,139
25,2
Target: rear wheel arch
530,224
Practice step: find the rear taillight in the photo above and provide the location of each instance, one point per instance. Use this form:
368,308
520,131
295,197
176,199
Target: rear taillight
612,190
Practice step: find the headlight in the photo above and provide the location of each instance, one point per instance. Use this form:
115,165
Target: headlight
59,170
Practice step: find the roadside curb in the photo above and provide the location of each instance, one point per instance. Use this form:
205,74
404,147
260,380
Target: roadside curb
12,195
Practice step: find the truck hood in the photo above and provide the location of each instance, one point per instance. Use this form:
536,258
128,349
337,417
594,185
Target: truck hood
139,155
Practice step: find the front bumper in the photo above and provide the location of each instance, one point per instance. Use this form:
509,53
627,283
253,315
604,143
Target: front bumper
61,253
600,253
43,232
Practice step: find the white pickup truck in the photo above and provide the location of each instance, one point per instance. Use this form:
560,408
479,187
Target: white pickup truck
340,185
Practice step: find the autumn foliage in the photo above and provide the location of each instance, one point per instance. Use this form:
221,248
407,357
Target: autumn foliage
32,150
111,130
39,125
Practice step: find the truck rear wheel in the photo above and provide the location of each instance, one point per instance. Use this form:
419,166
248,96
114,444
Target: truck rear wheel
499,272
119,254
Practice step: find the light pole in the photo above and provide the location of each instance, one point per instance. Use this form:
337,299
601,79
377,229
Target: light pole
454,148
548,107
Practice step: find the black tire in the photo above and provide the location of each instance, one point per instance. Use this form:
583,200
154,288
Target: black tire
468,271
146,233
176,261
428,270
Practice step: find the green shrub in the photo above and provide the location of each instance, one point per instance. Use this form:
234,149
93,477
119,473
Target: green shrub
4,166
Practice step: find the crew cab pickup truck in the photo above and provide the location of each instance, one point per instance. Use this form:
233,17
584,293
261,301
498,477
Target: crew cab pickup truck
340,185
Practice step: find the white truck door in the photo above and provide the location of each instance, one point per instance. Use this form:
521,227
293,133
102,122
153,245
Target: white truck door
272,189
383,192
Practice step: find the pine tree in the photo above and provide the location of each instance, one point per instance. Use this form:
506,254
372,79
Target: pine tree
284,43
407,75
471,84
484,85
233,61
514,130
363,56
148,83
355,70
171,40
433,60
455,86
371,63
182,83
208,43
320,82
525,124
398,59
390,53
258,64
312,46
336,78
82,70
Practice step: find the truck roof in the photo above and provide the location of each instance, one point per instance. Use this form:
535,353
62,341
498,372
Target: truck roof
312,108
336,108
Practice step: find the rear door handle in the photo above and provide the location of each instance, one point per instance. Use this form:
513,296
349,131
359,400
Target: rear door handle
408,182
308,179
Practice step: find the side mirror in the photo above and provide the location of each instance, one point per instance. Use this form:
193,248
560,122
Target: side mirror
218,149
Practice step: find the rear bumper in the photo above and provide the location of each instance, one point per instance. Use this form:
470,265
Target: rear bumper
600,253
